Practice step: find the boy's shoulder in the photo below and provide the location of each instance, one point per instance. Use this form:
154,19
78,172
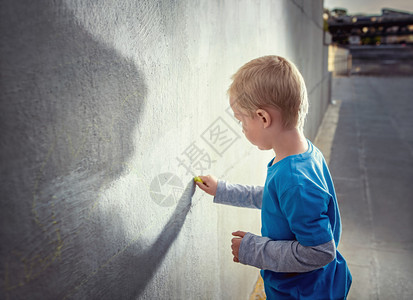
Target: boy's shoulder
311,159
299,170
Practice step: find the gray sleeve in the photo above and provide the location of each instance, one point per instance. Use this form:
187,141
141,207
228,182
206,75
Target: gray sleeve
284,256
239,195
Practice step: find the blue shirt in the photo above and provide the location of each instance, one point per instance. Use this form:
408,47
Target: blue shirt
299,203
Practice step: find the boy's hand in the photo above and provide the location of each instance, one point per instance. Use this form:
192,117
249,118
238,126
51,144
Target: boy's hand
236,242
208,185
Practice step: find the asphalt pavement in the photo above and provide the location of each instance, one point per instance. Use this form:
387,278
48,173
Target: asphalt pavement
370,157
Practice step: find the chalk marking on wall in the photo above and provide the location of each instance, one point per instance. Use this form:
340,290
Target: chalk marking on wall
108,261
180,213
140,234
36,186
75,152
35,262
41,263
39,260
218,136
145,230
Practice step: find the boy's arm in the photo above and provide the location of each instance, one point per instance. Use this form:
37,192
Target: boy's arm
239,195
305,209
284,256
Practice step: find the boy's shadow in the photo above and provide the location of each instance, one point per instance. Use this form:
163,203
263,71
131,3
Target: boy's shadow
129,273
69,108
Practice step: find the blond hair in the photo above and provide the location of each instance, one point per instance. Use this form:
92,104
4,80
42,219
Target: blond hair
271,81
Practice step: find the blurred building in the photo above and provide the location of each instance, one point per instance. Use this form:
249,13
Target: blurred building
391,27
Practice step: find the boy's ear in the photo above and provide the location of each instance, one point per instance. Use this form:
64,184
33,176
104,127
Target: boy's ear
264,117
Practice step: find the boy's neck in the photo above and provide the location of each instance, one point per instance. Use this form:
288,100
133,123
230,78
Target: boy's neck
289,142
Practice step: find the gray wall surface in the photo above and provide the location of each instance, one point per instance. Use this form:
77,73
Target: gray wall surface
107,112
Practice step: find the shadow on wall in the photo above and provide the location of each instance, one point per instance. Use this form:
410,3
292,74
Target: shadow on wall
128,272
69,107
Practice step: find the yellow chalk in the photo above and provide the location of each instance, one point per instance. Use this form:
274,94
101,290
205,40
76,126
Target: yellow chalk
197,179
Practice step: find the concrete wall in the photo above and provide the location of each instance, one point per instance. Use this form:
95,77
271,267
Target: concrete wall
107,111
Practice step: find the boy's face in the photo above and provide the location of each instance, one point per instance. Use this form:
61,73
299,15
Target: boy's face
251,127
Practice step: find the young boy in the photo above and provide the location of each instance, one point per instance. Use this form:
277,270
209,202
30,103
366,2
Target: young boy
299,213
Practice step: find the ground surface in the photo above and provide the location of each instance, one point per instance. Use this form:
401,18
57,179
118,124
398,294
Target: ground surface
371,160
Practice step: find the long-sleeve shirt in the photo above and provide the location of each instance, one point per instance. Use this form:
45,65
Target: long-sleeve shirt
264,253
300,230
